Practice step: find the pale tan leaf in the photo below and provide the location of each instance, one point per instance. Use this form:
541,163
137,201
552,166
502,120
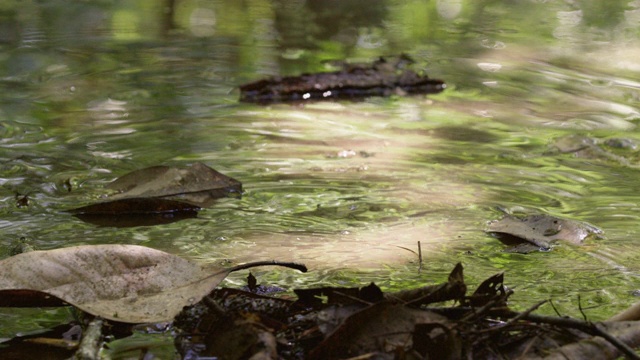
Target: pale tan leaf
127,283
543,230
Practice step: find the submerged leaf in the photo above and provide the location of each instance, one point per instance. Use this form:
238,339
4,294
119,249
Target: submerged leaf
126,283
541,230
136,212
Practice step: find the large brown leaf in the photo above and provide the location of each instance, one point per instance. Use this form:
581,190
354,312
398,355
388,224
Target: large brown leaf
159,195
197,184
126,283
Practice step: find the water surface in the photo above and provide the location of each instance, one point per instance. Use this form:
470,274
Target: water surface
93,90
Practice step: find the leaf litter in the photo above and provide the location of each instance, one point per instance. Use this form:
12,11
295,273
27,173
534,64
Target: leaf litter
432,322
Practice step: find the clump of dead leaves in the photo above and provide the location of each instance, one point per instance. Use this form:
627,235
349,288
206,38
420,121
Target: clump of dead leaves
365,323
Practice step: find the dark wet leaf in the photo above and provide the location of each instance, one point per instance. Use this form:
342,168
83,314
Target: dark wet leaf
31,347
252,282
126,283
541,230
137,206
136,212
28,298
436,341
342,296
453,289
489,289
241,338
382,78
380,327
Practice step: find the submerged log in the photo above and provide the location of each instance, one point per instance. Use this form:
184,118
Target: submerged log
381,78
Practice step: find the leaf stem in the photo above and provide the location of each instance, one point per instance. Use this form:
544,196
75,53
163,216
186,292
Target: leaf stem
292,265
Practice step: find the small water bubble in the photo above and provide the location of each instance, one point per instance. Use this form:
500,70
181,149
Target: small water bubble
221,238
345,232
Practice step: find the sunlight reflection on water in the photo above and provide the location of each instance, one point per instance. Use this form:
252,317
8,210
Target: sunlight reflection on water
343,186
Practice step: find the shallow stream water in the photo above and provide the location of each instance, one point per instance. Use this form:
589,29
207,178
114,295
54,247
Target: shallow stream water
92,90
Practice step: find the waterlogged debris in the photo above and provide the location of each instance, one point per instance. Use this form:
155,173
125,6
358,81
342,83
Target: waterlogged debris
125,283
22,200
136,212
159,195
541,230
480,326
383,77
351,322
361,332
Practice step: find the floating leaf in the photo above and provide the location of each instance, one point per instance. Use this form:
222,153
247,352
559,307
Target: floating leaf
126,283
197,184
159,195
541,230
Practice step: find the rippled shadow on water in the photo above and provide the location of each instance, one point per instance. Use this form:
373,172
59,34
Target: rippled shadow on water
345,187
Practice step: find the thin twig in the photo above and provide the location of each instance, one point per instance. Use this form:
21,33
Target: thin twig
515,318
584,326
419,257
624,348
554,308
405,248
584,316
213,306
292,265
354,298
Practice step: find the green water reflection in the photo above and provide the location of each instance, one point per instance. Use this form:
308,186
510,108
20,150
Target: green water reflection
93,90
